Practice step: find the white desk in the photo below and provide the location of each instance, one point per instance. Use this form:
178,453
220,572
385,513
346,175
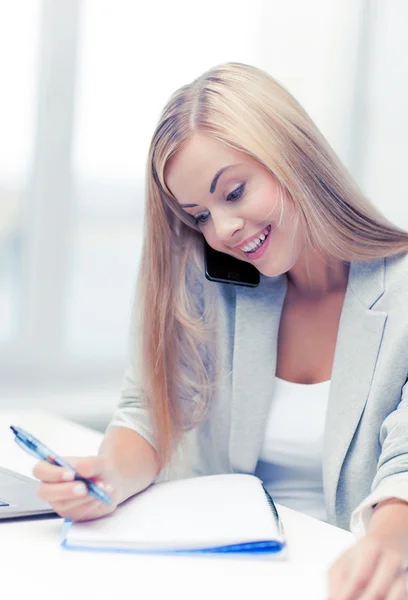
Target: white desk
33,565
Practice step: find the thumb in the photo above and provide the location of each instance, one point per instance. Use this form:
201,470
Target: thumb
90,466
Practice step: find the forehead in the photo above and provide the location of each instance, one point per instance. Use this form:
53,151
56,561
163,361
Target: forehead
192,169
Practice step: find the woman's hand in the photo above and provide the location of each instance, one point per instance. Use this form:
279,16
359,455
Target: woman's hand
69,497
372,569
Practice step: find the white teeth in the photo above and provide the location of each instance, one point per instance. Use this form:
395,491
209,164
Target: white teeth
252,245
257,241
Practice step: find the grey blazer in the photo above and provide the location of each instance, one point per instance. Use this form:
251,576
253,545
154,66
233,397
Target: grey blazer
366,434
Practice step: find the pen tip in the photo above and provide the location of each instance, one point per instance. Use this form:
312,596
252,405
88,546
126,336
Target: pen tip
13,429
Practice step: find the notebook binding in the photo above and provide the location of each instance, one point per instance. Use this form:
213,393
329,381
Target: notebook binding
274,511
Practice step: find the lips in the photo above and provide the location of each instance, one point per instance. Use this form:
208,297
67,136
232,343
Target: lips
260,249
258,243
255,240
250,239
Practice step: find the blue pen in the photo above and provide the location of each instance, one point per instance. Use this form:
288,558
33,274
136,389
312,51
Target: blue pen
33,446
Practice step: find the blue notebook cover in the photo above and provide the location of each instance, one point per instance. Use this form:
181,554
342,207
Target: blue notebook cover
216,514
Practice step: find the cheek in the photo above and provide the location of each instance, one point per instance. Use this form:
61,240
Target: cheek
211,238
266,200
277,203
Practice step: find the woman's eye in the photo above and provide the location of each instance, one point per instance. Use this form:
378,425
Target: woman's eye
237,193
234,195
201,219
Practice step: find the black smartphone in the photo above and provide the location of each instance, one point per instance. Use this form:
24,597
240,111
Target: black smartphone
228,269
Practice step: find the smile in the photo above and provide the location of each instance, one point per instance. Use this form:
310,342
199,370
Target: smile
257,242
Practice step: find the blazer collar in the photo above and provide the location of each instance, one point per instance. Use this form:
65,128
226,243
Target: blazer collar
257,318
359,338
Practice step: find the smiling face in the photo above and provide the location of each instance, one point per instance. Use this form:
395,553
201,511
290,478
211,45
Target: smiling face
235,202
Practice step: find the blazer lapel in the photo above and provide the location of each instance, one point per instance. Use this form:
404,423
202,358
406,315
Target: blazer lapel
358,341
257,316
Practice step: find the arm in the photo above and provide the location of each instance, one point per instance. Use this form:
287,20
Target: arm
126,462
375,564
128,443
391,479
132,457
389,525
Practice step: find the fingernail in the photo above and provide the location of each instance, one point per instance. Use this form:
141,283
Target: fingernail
80,489
68,475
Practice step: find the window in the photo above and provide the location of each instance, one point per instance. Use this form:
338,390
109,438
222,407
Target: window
18,39
83,83
86,85
129,63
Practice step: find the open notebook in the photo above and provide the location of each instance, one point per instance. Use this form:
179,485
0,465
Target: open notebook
216,513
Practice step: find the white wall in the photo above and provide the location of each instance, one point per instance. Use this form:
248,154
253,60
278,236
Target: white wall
385,112
346,62
312,49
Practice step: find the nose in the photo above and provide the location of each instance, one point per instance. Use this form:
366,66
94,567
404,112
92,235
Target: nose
227,227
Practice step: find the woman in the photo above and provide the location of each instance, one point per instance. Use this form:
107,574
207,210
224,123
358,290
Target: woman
302,379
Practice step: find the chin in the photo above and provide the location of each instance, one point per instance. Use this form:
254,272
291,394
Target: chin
274,270
271,272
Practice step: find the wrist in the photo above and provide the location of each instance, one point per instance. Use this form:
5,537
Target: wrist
123,486
389,524
132,461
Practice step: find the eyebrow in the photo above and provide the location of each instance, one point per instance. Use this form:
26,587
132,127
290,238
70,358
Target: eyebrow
213,184
217,176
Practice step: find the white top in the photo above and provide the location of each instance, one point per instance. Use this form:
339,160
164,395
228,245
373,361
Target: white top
291,457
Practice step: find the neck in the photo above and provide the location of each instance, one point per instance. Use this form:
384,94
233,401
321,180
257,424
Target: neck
317,277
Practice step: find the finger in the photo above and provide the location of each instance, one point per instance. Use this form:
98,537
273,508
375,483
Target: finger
93,511
399,589
364,564
84,512
88,467
68,507
386,573
92,466
70,504
337,574
54,492
51,473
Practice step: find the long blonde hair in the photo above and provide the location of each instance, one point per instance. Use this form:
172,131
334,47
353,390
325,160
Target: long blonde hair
245,108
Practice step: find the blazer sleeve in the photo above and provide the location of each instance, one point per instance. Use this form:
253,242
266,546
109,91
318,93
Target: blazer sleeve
132,411
391,479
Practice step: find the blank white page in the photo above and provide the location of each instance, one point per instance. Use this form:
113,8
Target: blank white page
200,512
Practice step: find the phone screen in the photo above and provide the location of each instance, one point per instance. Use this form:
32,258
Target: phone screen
228,269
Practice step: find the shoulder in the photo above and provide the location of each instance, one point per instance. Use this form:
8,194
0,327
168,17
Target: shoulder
396,275
381,284
394,300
